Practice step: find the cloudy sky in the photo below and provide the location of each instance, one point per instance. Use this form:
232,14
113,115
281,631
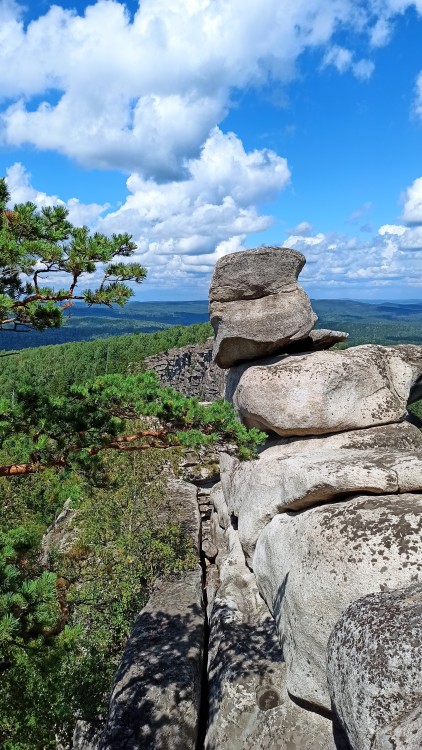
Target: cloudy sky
207,126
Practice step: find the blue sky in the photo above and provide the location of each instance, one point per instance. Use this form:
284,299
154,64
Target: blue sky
208,126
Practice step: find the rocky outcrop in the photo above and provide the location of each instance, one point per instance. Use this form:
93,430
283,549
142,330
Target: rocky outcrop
301,474
375,670
156,695
311,551
256,305
328,514
155,700
189,370
327,391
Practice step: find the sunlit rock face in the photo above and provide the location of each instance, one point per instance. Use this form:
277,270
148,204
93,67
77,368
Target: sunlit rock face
375,669
327,391
256,304
298,474
248,703
310,566
325,524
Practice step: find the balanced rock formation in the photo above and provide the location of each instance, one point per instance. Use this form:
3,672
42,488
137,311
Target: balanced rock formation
375,670
330,513
256,304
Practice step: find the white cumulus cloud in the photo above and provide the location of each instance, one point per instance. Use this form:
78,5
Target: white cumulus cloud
182,227
412,209
343,60
142,92
21,191
339,262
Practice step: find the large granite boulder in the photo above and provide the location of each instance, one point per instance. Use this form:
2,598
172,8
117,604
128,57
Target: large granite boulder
249,706
375,670
256,305
311,565
302,473
327,391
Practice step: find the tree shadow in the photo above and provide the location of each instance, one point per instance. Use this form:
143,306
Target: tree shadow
158,688
155,700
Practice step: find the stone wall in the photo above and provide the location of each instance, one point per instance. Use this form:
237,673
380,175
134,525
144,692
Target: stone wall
190,370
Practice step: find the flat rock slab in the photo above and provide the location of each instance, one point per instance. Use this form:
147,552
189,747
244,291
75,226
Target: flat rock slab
299,475
256,305
375,670
311,565
318,339
156,694
327,391
249,706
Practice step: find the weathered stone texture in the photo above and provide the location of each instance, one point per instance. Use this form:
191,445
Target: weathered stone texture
248,702
189,370
327,391
157,689
402,733
300,474
253,274
375,670
156,695
256,305
311,565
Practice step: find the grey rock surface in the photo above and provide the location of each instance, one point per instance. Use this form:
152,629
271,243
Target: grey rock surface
156,694
317,340
86,736
404,732
189,370
256,305
322,338
303,473
375,670
248,702
311,565
327,391
252,274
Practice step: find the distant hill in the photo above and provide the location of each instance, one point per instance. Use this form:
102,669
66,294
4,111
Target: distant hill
382,322
378,323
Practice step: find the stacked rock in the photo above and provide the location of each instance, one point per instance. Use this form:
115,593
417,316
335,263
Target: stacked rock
328,518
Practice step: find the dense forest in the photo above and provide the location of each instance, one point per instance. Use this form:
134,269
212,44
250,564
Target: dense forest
57,367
